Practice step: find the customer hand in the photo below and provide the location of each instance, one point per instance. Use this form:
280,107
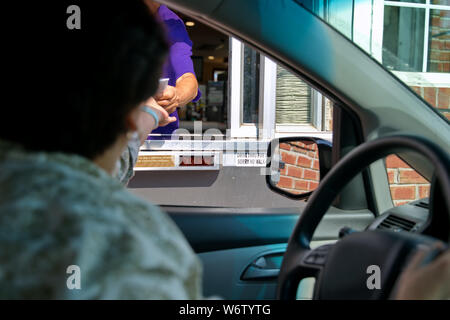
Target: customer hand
429,282
146,123
164,117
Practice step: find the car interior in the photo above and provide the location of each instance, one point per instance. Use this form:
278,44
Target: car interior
303,210
323,239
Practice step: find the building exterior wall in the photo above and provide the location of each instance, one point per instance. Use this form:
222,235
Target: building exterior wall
436,96
405,183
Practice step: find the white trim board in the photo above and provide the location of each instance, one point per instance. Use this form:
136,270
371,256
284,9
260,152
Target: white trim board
424,79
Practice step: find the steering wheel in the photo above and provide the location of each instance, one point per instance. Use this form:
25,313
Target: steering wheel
341,270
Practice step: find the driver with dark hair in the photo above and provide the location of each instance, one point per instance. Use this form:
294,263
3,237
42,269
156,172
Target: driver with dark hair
60,207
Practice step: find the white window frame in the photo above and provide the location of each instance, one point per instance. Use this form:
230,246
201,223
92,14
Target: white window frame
266,128
238,129
377,40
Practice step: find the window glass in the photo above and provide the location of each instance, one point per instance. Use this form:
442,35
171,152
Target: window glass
410,1
439,41
250,92
441,2
409,37
293,99
328,115
403,37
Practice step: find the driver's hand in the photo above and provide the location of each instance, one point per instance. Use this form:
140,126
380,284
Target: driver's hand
429,282
163,115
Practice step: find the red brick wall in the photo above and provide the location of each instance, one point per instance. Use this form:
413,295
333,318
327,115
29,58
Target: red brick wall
437,97
405,183
301,172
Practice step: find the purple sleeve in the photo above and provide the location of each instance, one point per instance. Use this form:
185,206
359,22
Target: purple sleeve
180,58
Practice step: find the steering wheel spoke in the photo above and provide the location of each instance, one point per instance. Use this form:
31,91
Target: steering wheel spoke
303,263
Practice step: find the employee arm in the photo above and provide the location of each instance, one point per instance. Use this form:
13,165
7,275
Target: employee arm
185,91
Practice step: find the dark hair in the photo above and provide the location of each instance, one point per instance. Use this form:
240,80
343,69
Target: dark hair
73,88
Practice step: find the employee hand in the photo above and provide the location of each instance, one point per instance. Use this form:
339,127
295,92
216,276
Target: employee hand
429,282
169,99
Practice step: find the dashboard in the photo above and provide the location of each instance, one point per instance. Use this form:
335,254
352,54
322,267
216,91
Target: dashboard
411,217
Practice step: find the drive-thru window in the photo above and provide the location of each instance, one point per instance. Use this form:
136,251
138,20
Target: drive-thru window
247,99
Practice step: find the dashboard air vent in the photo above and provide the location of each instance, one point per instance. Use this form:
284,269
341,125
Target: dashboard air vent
422,204
396,223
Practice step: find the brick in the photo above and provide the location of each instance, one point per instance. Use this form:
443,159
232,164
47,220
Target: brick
434,55
410,176
316,164
288,158
300,150
311,174
301,185
391,175
285,182
430,95
403,192
447,45
443,99
436,44
435,21
392,161
442,13
285,146
304,162
283,171
418,90
445,23
445,67
299,144
433,67
424,191
445,91
295,172
313,154
444,56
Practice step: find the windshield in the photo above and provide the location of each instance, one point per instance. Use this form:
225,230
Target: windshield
410,38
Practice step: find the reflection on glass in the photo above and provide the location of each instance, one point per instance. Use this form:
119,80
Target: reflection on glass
251,85
439,41
403,37
299,170
410,1
293,99
410,37
340,14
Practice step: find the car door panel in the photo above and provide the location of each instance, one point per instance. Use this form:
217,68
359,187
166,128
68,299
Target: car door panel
209,229
229,242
